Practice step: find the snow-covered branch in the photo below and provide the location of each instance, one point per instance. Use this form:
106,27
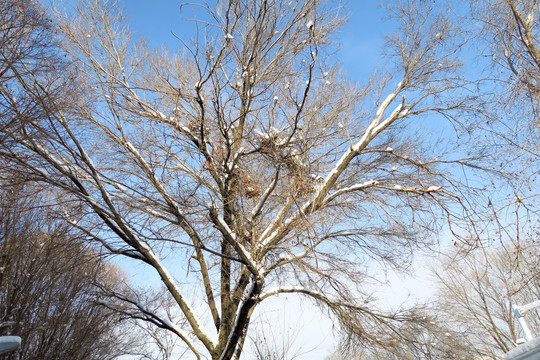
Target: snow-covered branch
231,237
349,189
322,190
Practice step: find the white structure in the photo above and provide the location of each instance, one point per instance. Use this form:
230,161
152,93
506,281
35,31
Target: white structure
530,350
9,343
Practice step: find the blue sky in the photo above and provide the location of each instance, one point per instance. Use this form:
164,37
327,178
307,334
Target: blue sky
361,38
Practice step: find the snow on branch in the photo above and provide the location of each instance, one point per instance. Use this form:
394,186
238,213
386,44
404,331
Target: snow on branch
230,236
356,187
177,294
257,209
385,104
274,233
423,190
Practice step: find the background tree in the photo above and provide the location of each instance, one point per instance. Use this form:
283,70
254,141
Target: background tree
247,164
506,40
274,341
48,295
428,339
477,292
511,27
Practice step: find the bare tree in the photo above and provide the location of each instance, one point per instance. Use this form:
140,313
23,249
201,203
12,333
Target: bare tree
47,291
511,27
428,339
506,33
274,341
477,292
248,161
